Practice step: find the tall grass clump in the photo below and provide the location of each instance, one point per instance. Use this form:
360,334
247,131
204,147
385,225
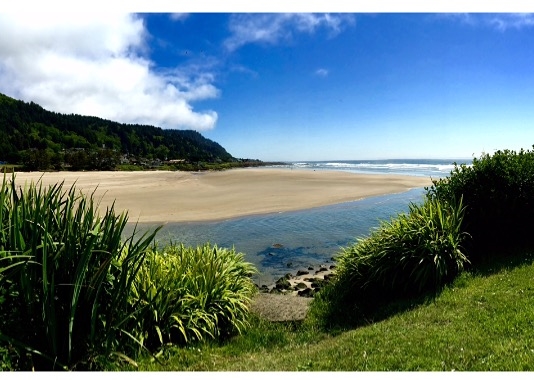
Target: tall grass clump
193,293
65,278
412,254
498,192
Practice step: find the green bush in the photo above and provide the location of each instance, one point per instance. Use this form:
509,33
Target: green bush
412,254
192,293
498,192
65,277
73,294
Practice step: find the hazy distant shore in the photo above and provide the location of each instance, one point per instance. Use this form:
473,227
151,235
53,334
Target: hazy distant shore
160,196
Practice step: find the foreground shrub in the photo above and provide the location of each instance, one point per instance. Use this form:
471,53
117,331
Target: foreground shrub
415,252
498,192
192,293
65,277
410,255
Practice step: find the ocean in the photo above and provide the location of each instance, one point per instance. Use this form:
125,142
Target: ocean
424,168
286,242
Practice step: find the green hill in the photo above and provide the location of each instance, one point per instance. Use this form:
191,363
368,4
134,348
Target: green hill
41,139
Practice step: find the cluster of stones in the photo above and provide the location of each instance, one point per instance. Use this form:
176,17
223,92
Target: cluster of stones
284,286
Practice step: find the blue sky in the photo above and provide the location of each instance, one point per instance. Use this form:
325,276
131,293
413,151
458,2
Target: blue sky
291,86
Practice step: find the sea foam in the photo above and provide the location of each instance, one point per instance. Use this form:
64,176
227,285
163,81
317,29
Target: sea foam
421,168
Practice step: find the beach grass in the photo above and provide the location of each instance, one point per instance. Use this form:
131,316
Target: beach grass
192,293
413,254
480,322
76,295
65,273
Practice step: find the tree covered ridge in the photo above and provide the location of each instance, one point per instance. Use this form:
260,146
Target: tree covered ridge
42,139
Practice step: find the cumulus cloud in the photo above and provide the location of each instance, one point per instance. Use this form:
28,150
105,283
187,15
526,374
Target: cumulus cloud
95,64
274,28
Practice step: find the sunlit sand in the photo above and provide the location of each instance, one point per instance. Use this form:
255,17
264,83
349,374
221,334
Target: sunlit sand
161,196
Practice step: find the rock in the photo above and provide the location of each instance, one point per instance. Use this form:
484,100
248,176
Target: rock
317,282
306,292
302,272
332,267
289,265
301,285
283,283
275,291
288,276
322,269
271,254
310,268
277,245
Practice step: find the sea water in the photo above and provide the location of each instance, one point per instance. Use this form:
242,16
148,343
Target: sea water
416,167
285,242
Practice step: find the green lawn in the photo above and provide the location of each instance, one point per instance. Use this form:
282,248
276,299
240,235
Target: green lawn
482,322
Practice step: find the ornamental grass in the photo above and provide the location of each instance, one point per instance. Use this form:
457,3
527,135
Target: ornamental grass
74,294
193,293
413,254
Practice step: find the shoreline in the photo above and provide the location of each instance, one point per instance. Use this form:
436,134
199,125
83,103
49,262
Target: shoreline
289,297
181,197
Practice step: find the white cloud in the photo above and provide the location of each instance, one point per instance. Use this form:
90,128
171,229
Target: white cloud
179,16
321,72
94,64
500,21
511,20
274,28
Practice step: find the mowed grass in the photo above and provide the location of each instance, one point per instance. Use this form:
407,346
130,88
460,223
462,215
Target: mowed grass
483,321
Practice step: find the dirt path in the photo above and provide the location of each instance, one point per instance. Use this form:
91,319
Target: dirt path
278,307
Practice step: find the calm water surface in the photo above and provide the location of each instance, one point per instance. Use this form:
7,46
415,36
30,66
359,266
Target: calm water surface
286,242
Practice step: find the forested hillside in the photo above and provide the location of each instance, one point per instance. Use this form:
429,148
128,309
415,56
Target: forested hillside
41,139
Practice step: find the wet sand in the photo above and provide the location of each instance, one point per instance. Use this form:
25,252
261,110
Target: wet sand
160,196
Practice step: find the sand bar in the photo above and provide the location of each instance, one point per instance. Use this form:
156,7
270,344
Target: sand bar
161,196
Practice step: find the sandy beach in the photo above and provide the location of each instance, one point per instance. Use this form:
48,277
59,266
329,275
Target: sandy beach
160,196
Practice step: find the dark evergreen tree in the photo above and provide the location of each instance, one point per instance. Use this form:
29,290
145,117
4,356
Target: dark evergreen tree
34,137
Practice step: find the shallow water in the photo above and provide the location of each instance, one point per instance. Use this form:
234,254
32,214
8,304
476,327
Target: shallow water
286,242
